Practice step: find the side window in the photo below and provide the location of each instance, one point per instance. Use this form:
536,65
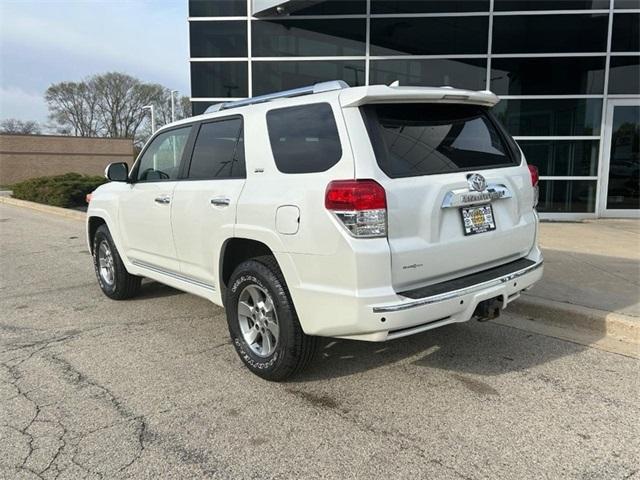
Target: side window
219,151
304,139
161,160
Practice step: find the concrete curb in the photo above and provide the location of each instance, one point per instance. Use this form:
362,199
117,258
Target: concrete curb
623,328
63,212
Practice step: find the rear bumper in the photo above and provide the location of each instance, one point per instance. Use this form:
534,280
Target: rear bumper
393,316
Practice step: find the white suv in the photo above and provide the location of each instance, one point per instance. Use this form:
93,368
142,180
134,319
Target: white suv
367,213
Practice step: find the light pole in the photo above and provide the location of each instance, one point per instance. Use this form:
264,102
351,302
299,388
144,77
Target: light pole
173,106
153,117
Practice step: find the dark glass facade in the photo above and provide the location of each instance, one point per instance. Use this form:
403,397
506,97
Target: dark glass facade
557,64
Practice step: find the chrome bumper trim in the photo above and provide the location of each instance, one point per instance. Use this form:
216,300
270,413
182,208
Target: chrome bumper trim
457,293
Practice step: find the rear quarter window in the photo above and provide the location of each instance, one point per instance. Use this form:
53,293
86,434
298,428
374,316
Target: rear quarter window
427,139
304,139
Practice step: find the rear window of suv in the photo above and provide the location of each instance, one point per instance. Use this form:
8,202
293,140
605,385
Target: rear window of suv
427,139
304,139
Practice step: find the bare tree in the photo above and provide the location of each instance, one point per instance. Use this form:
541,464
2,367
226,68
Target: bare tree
18,127
110,105
73,106
121,98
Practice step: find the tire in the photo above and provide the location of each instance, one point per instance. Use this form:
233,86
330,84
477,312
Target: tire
293,350
114,280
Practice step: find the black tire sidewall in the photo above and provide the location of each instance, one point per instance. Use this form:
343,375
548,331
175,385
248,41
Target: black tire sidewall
255,273
102,234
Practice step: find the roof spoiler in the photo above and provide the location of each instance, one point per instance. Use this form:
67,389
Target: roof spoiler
355,97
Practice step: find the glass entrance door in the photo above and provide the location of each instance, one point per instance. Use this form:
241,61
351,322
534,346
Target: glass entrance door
620,195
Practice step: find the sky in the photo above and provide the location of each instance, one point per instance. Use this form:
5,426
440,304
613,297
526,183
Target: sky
49,41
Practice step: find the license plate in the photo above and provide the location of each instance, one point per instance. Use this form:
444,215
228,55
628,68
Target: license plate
477,219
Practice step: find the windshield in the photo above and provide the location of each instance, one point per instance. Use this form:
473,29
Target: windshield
427,139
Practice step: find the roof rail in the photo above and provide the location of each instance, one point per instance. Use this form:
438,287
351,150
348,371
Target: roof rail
296,92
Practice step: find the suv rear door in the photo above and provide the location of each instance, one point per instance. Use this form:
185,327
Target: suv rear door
205,200
427,154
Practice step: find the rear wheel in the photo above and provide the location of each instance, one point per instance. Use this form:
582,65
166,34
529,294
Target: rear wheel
113,278
263,323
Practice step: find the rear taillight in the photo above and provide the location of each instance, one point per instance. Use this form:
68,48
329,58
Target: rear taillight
535,179
360,205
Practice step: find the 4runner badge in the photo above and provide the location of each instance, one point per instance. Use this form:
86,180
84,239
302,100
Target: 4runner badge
476,182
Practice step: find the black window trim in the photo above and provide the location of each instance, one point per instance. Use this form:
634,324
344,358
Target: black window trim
513,150
184,171
136,166
273,157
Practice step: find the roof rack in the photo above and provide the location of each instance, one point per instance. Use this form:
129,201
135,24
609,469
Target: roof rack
296,92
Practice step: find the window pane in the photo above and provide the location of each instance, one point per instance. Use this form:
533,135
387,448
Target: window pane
626,32
550,117
550,33
219,151
515,5
334,7
624,75
460,73
428,6
626,4
429,36
216,8
562,157
547,76
219,79
218,39
308,37
161,160
271,77
623,190
426,139
198,108
567,196
304,139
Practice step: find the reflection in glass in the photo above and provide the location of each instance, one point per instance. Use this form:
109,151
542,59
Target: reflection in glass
276,76
547,76
550,33
550,117
625,36
567,196
515,5
198,108
216,8
332,7
308,37
562,157
429,35
459,73
219,79
218,39
428,6
624,75
624,163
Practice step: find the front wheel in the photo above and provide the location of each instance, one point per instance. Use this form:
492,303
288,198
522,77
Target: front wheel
113,278
263,323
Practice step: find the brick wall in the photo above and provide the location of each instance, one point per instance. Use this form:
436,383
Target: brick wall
27,156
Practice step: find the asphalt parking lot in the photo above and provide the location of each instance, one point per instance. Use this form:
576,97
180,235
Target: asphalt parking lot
151,388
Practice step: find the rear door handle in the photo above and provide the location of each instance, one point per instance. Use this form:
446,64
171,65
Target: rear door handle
163,199
220,201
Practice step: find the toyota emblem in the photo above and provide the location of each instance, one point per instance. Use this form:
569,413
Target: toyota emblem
477,182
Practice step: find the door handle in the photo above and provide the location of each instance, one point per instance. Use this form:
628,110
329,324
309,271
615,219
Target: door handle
220,201
163,199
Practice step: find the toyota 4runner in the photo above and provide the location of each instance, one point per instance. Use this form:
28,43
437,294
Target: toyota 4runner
367,213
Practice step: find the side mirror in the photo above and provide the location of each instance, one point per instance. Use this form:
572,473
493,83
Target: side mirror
117,172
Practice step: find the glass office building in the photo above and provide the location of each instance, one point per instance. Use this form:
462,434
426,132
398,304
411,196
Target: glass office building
567,71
